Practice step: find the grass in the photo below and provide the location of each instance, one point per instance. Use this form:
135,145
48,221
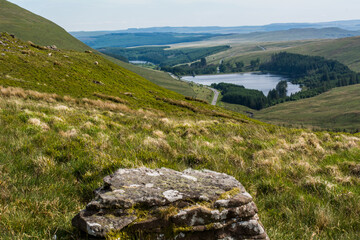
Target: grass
166,81
55,152
31,27
61,133
344,50
336,109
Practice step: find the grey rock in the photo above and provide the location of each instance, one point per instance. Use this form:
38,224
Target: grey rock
167,204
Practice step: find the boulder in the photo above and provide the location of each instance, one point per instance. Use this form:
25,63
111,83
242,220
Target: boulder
167,204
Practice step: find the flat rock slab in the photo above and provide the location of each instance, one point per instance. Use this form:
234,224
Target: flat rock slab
167,204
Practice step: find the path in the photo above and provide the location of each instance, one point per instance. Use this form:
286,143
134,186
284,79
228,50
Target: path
216,95
216,92
262,48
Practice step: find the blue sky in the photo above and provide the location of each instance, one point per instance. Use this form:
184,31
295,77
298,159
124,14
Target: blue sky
76,15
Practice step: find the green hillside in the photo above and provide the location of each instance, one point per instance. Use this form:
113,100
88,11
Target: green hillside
345,50
337,109
30,27
68,119
76,74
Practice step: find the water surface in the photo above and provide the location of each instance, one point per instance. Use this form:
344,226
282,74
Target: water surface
261,82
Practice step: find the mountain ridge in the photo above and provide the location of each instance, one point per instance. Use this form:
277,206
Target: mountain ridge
352,25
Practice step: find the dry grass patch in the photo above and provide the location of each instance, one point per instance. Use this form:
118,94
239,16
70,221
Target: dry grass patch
157,143
38,123
69,134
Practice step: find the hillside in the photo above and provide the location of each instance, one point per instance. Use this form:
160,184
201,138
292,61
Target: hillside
346,51
28,26
336,109
71,118
31,27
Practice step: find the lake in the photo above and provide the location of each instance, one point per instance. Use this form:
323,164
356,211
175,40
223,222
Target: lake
261,82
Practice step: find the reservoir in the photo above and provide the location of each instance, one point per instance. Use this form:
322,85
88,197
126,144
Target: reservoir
258,81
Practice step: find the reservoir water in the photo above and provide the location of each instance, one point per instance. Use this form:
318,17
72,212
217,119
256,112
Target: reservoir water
261,82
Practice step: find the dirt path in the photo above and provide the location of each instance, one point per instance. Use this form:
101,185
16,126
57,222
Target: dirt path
216,96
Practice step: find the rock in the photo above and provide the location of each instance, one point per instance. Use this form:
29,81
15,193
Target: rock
88,51
166,204
98,82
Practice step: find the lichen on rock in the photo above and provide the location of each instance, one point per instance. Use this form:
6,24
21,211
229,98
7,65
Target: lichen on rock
167,204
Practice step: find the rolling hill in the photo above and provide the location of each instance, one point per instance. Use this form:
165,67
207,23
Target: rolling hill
293,34
31,27
345,50
337,109
351,25
69,119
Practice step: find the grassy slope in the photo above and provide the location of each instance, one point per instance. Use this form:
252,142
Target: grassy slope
28,26
336,109
159,78
31,27
55,150
346,51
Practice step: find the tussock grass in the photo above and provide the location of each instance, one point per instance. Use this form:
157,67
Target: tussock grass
304,183
58,140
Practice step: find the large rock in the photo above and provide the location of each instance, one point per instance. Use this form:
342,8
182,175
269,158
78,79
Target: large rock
166,204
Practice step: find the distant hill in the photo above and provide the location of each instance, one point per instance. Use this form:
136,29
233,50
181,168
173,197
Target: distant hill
29,26
104,39
351,25
141,39
293,34
344,50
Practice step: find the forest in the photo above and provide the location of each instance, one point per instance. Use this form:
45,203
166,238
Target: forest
237,94
315,74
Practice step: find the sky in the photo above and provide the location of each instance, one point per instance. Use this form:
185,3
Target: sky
90,15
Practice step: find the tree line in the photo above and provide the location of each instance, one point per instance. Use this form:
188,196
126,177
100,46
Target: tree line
255,99
314,74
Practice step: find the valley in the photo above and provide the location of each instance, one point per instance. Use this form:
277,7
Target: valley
71,115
